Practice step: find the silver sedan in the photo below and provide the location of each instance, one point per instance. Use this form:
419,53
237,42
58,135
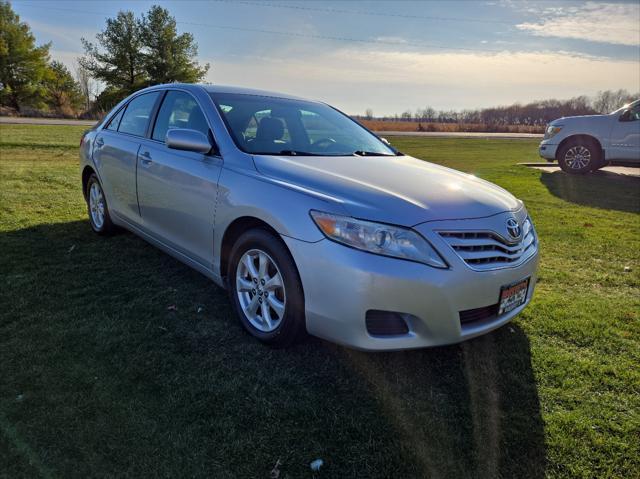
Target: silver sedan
310,221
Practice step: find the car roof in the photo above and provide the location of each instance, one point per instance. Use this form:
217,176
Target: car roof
210,88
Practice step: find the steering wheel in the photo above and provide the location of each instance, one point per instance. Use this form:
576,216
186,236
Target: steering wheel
328,142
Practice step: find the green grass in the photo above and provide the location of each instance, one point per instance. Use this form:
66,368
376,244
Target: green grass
99,378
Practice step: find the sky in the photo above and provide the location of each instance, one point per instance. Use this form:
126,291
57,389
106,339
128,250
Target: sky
388,56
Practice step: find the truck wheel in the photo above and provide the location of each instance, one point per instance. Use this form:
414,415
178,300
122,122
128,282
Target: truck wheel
579,156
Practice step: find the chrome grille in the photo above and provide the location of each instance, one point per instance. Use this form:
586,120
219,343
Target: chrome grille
486,250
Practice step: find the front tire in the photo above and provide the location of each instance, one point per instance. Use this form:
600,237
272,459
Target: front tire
579,156
97,208
265,289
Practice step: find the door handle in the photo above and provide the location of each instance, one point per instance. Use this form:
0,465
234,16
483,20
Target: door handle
145,158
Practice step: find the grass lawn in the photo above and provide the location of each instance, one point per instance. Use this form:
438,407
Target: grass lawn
99,378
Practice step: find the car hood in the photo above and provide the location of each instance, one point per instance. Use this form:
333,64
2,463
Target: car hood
583,119
400,189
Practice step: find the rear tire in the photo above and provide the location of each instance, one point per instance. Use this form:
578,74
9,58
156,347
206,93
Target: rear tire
580,156
97,208
265,289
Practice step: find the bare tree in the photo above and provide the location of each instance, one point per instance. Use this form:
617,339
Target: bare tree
429,113
407,115
610,100
87,85
368,114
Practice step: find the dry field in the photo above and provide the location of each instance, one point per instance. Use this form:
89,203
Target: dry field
380,125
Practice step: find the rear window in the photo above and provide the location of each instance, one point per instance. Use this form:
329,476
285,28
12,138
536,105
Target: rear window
136,117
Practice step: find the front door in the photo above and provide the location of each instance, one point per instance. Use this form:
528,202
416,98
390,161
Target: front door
177,189
625,136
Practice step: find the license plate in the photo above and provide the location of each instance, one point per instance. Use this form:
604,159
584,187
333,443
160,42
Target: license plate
513,295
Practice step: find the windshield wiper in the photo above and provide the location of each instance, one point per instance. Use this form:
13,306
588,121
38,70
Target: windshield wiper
370,153
308,153
297,153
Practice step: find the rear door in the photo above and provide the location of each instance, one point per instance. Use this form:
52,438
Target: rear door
177,189
625,136
116,151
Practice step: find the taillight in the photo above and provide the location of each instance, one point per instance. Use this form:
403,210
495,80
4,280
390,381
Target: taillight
84,134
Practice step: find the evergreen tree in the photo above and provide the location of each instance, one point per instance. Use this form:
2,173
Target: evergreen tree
23,65
62,91
117,59
169,57
131,53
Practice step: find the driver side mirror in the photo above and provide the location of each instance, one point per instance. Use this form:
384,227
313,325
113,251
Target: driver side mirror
385,141
188,140
626,116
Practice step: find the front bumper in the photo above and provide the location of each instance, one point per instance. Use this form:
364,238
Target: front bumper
547,150
341,284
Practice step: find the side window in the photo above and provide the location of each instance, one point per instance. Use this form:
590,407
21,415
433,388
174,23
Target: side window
136,116
635,113
179,110
115,121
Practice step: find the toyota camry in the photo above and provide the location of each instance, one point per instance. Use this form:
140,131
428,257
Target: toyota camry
312,223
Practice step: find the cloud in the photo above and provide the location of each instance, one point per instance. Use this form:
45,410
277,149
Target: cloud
597,22
391,81
69,36
69,58
391,39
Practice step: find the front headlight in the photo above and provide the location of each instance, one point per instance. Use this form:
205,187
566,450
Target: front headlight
551,131
378,238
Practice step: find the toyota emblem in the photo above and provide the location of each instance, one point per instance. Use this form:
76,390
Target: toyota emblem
513,228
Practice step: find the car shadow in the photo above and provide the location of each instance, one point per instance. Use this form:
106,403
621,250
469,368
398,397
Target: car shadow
600,189
468,410
138,363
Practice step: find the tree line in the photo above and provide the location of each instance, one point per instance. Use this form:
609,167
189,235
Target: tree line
128,54
537,113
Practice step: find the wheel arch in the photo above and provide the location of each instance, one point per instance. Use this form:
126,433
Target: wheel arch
87,171
233,232
580,136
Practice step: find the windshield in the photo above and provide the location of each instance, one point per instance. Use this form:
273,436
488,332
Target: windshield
626,107
280,126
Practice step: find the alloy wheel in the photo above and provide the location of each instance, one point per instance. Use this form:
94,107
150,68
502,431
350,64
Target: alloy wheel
260,290
96,205
577,157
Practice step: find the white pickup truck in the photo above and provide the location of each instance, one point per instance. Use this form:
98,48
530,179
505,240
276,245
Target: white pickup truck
586,143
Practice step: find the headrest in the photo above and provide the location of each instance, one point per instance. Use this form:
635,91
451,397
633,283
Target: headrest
270,129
